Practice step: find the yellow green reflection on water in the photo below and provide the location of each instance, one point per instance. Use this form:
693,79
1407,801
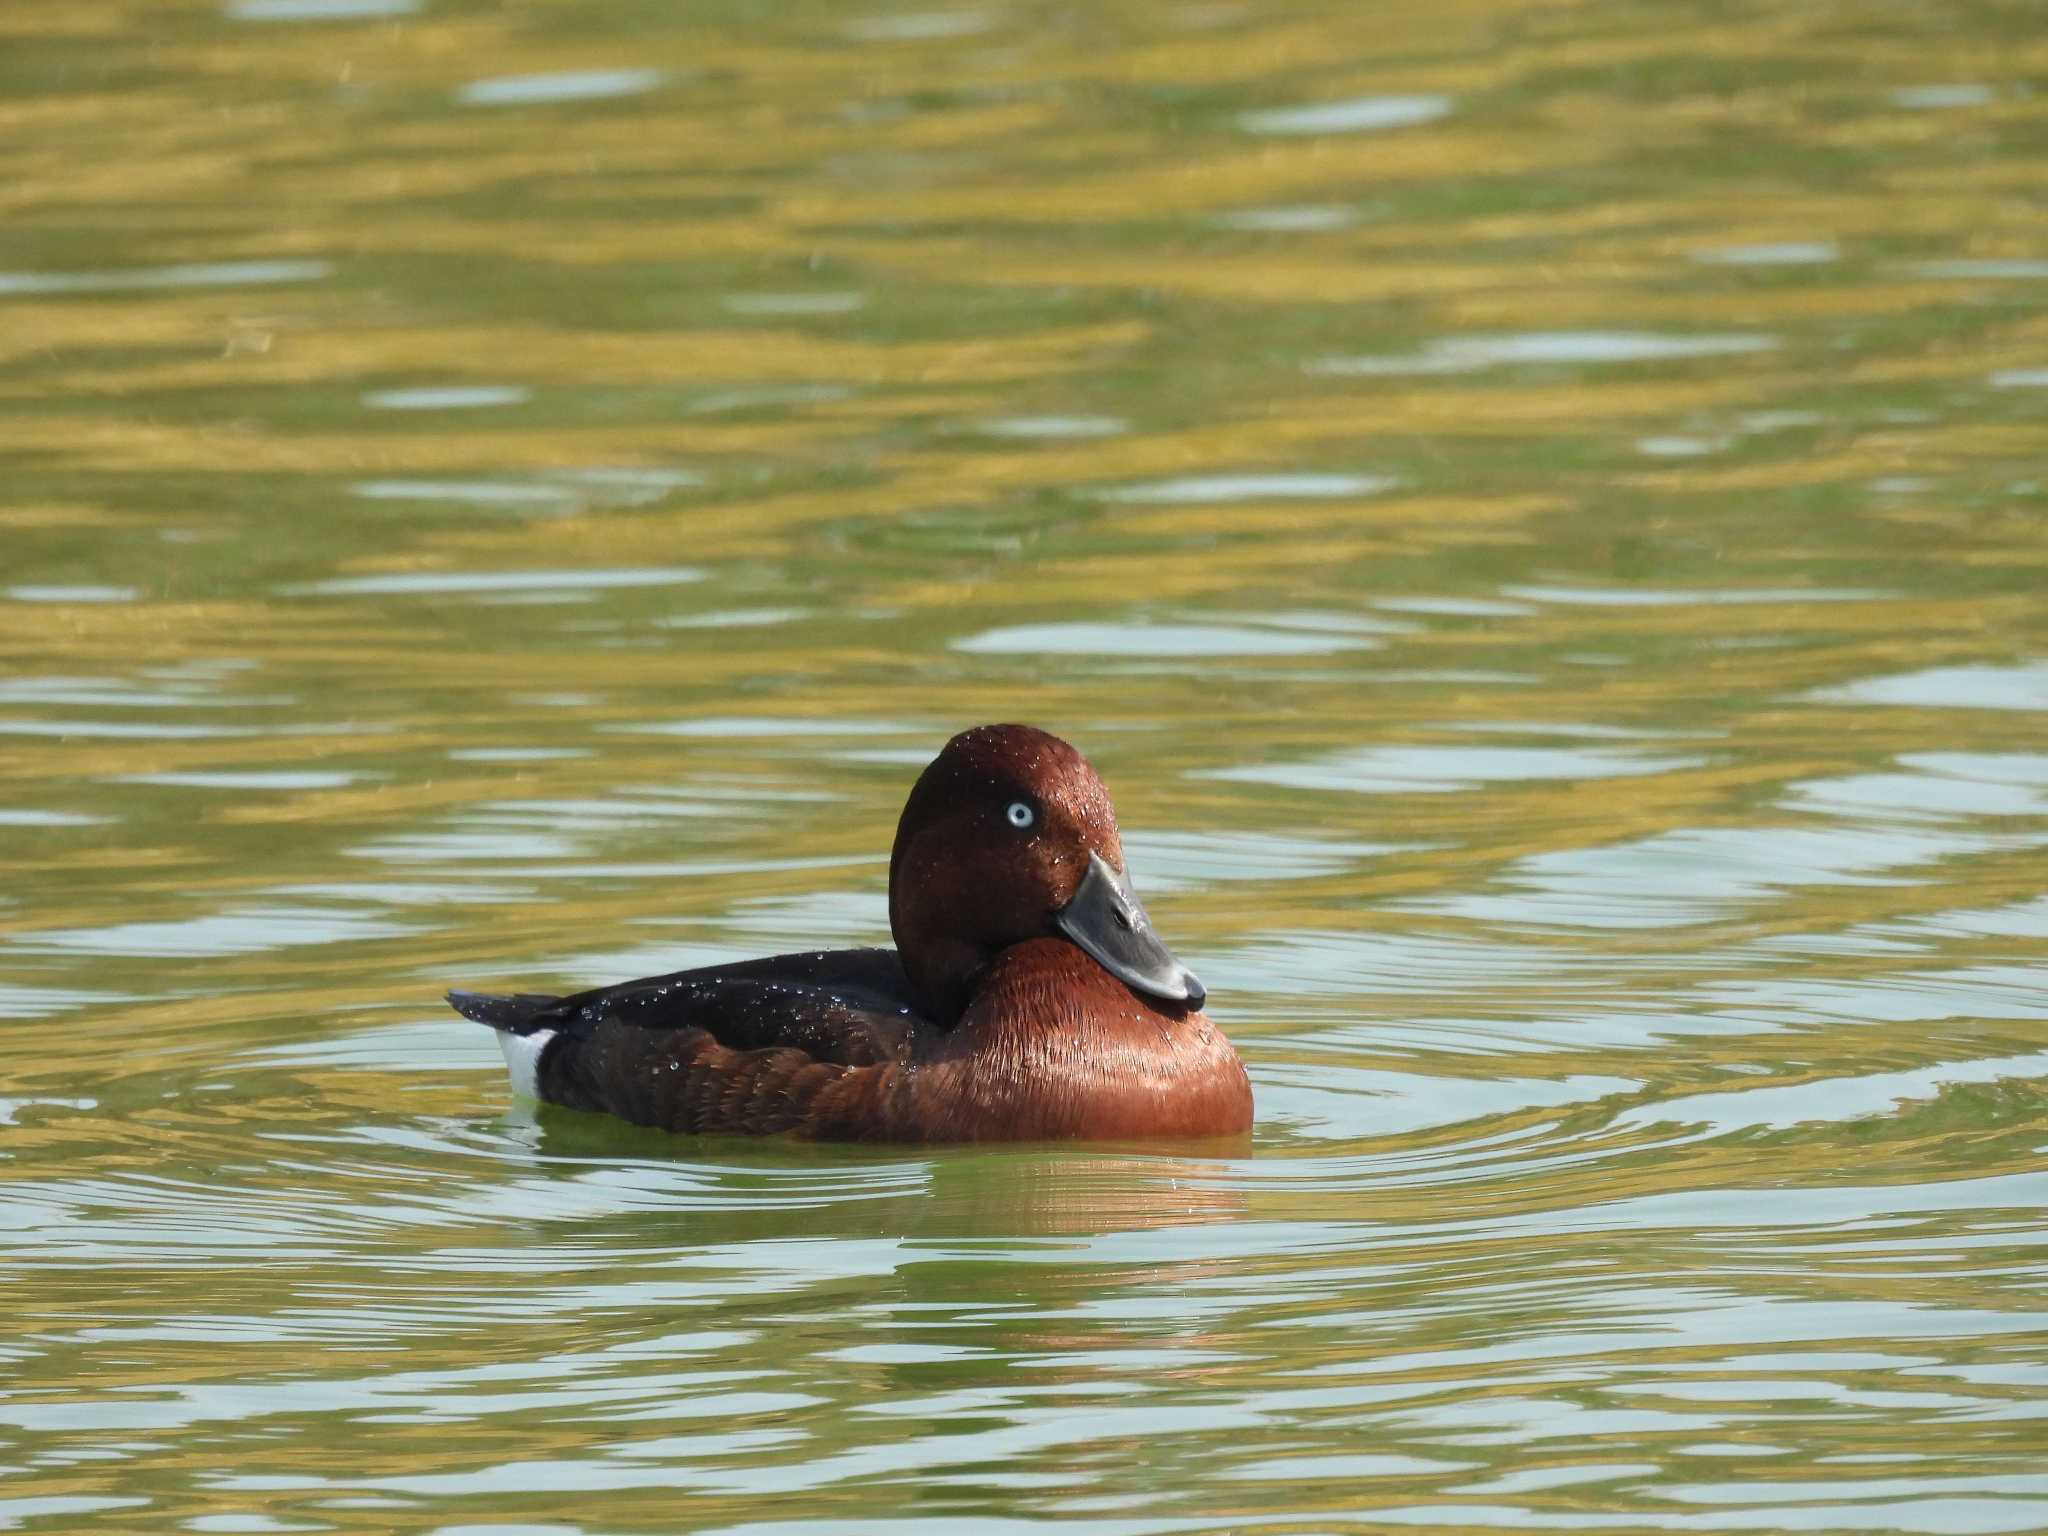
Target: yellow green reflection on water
1536,511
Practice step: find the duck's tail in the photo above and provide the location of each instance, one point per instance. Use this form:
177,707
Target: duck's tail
524,1031
516,1013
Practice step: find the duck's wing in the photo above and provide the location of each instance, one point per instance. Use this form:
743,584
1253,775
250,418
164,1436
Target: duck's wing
750,1047
850,1006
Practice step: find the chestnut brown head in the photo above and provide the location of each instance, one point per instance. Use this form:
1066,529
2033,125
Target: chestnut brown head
1008,836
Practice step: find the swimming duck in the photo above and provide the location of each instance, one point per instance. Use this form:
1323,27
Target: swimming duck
1028,997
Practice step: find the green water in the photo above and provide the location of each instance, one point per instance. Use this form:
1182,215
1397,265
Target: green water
1536,511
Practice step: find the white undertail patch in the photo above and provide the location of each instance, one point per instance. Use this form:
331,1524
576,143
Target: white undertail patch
522,1059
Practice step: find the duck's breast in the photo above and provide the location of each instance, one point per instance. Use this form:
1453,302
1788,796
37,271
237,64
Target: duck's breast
1055,1048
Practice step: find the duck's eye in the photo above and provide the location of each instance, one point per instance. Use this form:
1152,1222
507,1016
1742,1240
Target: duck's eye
1020,814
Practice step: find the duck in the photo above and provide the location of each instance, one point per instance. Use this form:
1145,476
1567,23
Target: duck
1028,996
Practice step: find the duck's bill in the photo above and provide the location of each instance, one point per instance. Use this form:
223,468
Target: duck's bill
1107,920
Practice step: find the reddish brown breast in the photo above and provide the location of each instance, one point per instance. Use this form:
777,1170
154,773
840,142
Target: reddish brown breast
1055,1048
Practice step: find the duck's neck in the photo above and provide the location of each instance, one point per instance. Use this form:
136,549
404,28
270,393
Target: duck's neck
944,976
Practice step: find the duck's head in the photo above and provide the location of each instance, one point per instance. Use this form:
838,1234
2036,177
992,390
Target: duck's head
1010,836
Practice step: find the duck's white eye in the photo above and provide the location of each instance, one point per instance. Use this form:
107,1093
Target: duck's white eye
1020,814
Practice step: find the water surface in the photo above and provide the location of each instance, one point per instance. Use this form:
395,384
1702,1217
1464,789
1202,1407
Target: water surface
1536,512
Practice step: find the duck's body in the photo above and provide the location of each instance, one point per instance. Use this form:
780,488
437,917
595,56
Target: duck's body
1029,999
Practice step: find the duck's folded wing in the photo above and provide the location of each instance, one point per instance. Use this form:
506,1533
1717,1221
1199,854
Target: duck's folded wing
851,1006
689,1080
786,1043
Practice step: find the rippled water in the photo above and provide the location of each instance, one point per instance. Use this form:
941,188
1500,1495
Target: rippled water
1537,512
